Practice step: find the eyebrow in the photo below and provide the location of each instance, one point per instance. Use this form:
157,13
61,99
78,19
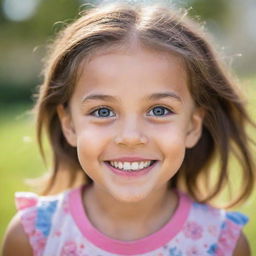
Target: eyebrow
154,96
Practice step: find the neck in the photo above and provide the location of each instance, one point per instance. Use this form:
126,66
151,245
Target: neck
129,220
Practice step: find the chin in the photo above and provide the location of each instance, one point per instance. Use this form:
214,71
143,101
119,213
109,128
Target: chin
129,195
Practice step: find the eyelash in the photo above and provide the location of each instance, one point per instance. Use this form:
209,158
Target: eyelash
105,107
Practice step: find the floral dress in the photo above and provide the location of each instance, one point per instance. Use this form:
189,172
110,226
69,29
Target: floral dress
58,226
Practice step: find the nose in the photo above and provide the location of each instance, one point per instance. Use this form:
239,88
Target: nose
130,133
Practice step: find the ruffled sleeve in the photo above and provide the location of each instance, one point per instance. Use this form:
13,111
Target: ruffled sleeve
25,200
230,232
27,206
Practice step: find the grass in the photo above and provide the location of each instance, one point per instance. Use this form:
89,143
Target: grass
19,159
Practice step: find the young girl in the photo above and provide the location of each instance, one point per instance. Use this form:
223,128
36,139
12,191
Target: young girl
135,99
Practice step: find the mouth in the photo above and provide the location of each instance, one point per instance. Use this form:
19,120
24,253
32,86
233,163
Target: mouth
131,166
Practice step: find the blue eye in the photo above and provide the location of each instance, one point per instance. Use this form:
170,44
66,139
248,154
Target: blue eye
161,111
102,112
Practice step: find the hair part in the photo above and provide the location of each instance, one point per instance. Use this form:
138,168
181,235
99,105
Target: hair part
160,28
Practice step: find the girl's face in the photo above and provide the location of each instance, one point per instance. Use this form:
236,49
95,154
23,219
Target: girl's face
131,104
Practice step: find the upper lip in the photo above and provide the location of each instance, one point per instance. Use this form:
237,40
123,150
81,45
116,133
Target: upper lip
130,159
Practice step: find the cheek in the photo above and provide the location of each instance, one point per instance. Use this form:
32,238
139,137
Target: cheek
170,136
173,149
173,153
90,145
172,144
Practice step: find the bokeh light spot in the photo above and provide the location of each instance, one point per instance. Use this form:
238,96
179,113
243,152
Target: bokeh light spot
19,10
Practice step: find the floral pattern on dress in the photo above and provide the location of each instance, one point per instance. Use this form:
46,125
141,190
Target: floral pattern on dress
213,230
237,218
52,231
204,207
175,252
25,200
44,217
194,251
230,231
69,249
74,248
37,238
193,230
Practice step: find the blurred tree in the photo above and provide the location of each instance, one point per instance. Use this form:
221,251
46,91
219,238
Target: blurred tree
209,10
20,64
20,61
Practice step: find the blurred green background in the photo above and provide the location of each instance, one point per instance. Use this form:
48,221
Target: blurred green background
27,26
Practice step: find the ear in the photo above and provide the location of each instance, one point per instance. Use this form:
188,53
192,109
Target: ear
195,127
67,124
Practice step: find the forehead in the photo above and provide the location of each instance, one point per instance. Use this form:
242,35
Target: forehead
134,68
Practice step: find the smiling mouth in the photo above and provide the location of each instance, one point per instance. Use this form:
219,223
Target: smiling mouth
131,166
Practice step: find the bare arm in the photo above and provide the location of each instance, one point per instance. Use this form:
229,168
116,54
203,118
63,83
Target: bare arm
242,247
15,240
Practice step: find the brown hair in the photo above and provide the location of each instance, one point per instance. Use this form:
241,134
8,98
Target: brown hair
158,27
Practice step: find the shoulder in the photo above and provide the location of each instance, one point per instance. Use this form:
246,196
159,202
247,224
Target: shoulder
231,237
207,214
16,240
226,226
242,246
30,227
226,219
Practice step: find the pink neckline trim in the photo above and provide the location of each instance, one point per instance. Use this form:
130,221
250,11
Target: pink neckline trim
144,245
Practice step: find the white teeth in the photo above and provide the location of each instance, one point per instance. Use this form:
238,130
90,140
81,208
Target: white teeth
135,166
141,165
127,166
130,166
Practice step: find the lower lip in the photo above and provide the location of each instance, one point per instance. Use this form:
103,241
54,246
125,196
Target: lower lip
131,173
